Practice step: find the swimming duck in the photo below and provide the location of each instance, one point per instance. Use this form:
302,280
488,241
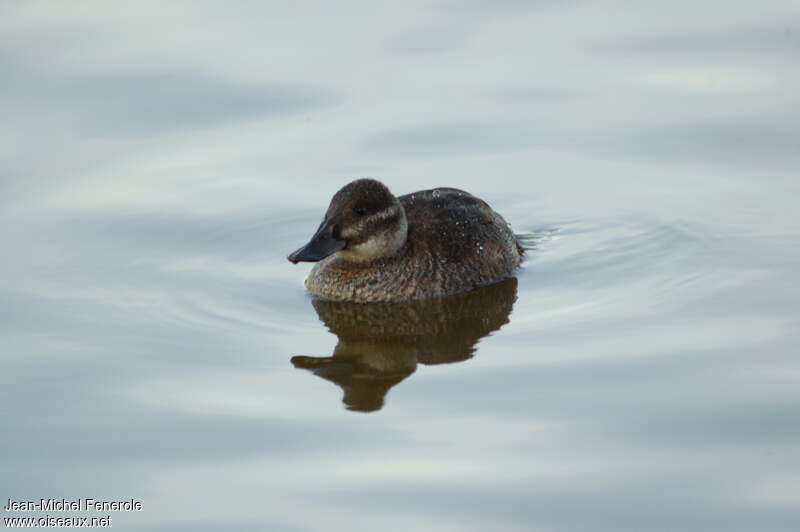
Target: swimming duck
374,247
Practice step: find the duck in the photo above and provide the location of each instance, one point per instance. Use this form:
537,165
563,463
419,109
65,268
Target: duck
374,247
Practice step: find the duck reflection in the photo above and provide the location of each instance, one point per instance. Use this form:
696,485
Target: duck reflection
380,344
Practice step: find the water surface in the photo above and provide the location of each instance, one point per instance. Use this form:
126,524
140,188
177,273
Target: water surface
639,373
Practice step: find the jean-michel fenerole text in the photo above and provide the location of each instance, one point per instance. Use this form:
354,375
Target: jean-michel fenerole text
74,505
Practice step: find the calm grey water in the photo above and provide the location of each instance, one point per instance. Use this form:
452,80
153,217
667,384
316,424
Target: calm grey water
159,160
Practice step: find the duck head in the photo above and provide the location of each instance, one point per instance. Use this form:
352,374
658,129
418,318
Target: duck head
364,222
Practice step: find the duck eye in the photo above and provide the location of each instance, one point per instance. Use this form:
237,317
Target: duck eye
360,211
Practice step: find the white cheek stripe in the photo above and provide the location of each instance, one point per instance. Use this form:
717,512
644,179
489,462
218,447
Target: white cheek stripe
380,215
385,213
379,245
